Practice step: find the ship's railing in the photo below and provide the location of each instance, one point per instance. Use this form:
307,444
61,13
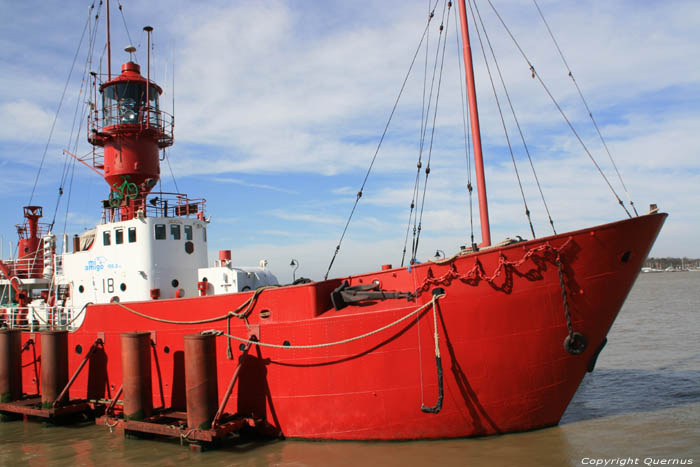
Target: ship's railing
160,204
39,318
24,268
23,230
93,159
130,117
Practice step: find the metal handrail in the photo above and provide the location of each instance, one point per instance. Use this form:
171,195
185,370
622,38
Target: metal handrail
118,116
161,204
55,317
23,268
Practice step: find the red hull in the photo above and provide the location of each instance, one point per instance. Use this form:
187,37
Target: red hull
505,368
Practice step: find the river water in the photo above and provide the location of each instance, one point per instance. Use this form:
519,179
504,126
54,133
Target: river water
641,406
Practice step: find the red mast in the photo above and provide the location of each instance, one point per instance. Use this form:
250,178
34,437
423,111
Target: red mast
476,132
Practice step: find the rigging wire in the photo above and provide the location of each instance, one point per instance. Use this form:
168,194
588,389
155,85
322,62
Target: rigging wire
165,156
66,165
424,129
500,113
75,151
70,192
467,141
121,11
379,145
432,134
515,118
535,74
83,88
410,213
58,110
420,142
585,103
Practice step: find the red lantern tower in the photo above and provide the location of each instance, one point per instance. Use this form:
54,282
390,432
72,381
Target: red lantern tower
132,130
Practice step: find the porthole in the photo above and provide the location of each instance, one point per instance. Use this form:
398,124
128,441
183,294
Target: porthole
175,283
166,349
241,347
114,299
78,349
122,287
626,256
189,248
81,289
286,343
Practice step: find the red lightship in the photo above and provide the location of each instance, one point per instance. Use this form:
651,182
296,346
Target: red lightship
134,325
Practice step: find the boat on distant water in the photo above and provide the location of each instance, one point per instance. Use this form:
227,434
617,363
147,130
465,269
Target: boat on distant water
646,269
490,339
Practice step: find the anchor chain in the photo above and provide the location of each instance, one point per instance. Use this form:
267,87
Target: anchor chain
574,343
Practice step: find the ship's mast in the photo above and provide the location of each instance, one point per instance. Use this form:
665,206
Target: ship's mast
476,133
109,49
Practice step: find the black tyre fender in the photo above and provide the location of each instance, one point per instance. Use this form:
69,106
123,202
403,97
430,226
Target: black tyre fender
575,344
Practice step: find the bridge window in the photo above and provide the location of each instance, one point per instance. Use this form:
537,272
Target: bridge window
174,231
160,231
188,232
132,234
106,239
118,236
204,232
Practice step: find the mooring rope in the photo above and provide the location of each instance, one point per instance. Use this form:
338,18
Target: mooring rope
438,365
248,305
432,303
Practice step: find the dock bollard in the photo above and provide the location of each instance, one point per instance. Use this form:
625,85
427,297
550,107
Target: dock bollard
136,375
201,380
54,366
10,365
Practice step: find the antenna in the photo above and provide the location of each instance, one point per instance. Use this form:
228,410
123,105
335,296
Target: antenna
109,49
131,49
172,52
148,30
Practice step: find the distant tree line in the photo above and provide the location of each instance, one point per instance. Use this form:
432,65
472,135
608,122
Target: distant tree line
677,263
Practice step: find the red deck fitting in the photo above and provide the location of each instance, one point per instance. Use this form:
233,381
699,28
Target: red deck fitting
31,406
173,423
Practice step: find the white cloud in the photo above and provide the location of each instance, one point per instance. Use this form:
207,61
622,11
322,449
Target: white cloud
287,87
23,121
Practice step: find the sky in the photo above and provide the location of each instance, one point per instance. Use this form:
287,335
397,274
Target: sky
280,105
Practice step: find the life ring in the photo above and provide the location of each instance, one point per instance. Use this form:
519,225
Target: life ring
575,343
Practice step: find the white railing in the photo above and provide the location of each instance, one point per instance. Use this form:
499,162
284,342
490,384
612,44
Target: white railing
24,268
39,317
